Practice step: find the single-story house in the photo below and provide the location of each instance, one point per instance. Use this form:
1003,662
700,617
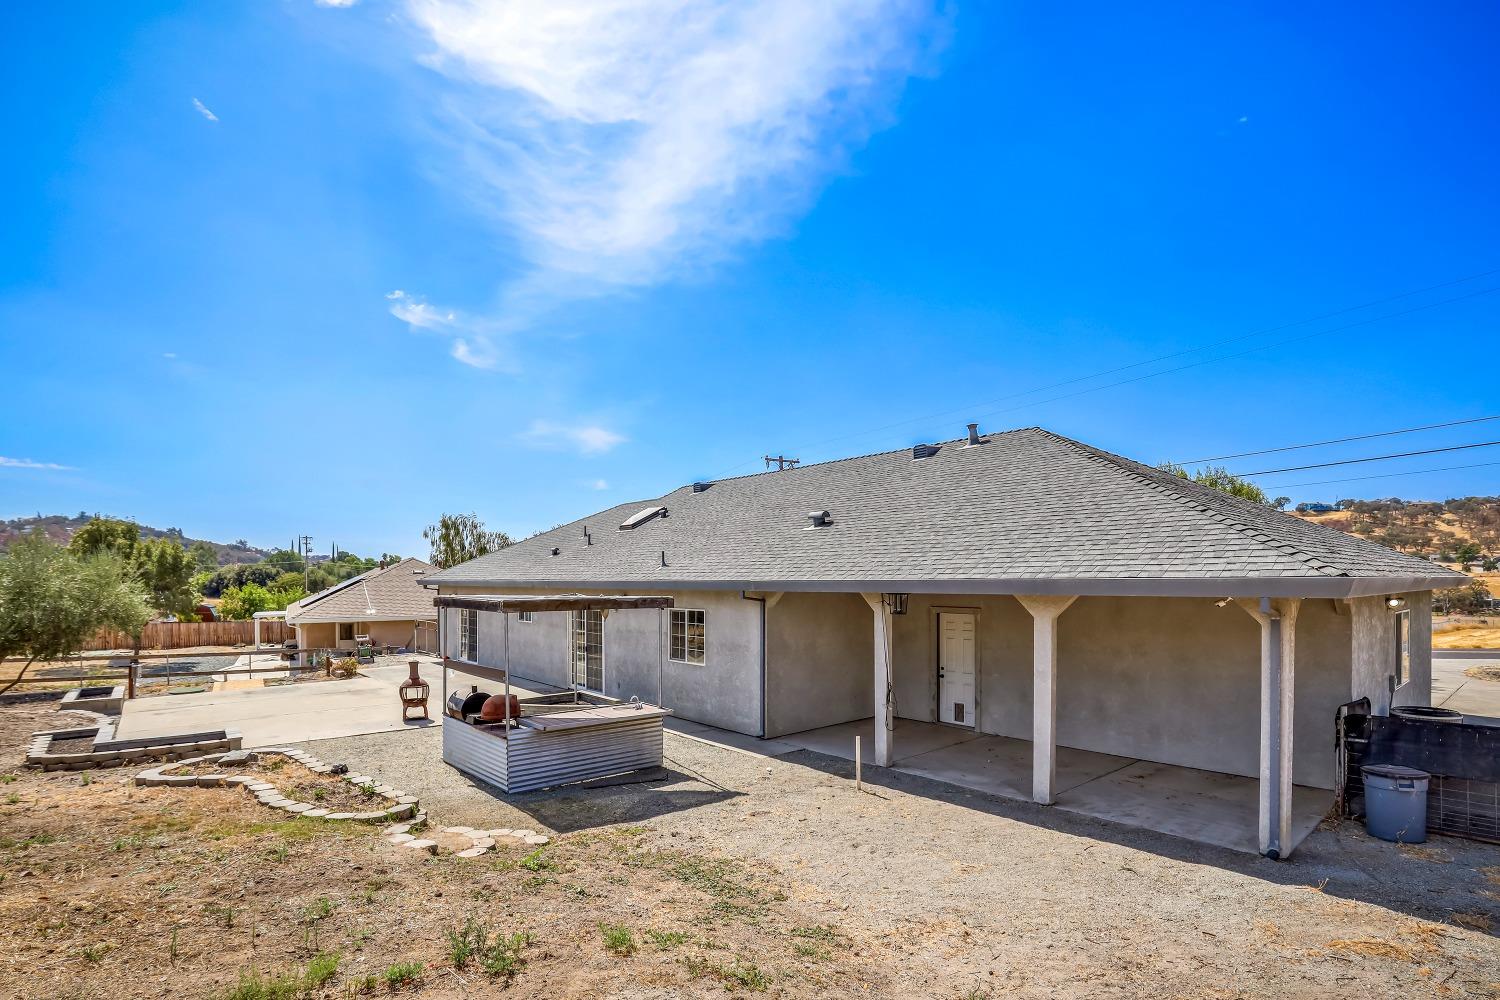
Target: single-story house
388,604
1018,584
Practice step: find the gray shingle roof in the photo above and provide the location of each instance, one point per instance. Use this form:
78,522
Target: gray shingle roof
1028,511
395,593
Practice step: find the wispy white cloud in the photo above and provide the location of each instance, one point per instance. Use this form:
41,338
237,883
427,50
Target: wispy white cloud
625,142
26,463
335,3
599,484
472,338
169,355
588,439
203,110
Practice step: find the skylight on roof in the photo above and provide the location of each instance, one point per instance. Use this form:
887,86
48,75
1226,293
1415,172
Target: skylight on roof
641,516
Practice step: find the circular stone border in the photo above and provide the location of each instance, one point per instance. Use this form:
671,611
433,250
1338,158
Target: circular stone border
403,806
481,842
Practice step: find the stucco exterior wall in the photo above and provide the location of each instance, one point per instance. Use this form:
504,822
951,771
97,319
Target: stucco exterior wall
323,635
316,635
1373,650
724,691
819,661
1173,680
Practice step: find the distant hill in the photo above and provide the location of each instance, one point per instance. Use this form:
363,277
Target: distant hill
60,528
1466,529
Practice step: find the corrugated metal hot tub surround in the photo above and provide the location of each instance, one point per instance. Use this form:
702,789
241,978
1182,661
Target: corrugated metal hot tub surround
557,748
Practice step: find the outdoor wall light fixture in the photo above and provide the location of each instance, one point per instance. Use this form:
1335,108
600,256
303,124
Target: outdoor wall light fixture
1225,601
1395,603
897,603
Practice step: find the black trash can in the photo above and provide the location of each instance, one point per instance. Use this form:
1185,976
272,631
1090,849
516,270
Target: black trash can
1426,713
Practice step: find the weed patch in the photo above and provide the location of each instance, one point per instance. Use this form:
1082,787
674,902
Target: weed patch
500,955
618,940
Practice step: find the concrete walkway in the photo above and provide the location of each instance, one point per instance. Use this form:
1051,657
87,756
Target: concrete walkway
1212,808
1477,699
296,713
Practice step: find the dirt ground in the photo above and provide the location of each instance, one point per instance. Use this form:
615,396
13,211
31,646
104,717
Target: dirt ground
739,874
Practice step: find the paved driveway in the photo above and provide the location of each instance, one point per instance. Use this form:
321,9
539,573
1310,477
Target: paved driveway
1452,688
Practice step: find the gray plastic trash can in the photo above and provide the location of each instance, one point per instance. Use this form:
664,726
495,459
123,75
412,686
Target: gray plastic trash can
1396,802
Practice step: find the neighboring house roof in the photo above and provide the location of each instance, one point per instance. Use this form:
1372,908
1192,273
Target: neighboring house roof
391,594
1028,511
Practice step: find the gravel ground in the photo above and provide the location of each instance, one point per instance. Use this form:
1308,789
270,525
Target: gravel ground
978,893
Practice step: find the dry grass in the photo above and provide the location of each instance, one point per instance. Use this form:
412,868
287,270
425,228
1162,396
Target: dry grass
1417,942
1467,637
1473,921
1424,853
109,889
1483,673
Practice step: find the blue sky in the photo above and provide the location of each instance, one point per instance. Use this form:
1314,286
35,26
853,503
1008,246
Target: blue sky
283,267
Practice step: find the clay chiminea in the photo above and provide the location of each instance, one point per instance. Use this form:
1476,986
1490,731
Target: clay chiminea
494,708
414,691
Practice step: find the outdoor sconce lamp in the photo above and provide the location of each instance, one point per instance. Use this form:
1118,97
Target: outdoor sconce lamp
1395,603
897,603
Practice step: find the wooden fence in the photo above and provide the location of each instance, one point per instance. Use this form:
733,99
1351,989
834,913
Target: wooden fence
179,635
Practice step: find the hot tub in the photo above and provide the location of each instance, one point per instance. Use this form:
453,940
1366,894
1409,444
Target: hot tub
563,745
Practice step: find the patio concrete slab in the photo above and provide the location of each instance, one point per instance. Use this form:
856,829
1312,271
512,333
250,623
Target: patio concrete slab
752,745
1212,808
1205,806
1002,766
295,713
911,738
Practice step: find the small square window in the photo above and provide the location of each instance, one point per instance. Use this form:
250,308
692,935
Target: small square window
689,636
526,616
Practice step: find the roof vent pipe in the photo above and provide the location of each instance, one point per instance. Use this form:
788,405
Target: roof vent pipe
973,436
819,518
920,451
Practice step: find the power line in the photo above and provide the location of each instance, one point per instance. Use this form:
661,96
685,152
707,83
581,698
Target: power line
1342,440
1389,475
1167,357
1372,458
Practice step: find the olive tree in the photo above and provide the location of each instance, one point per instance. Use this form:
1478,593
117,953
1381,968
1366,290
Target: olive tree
52,600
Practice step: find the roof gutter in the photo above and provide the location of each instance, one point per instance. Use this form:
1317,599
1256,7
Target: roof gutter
1311,586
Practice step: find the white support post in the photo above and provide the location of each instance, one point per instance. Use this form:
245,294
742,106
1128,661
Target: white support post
885,693
1045,610
1278,682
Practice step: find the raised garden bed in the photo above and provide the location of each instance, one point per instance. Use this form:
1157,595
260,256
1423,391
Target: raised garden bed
292,781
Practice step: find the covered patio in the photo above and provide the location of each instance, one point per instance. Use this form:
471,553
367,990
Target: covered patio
1213,808
1267,814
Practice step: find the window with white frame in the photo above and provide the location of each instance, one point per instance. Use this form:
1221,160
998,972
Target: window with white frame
468,635
1403,647
688,635
525,616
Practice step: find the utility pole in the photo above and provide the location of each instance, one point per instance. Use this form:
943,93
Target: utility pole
306,547
782,462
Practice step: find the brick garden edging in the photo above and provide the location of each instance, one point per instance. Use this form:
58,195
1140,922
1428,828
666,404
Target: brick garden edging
403,806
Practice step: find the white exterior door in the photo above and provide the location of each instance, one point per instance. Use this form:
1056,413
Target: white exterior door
956,657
